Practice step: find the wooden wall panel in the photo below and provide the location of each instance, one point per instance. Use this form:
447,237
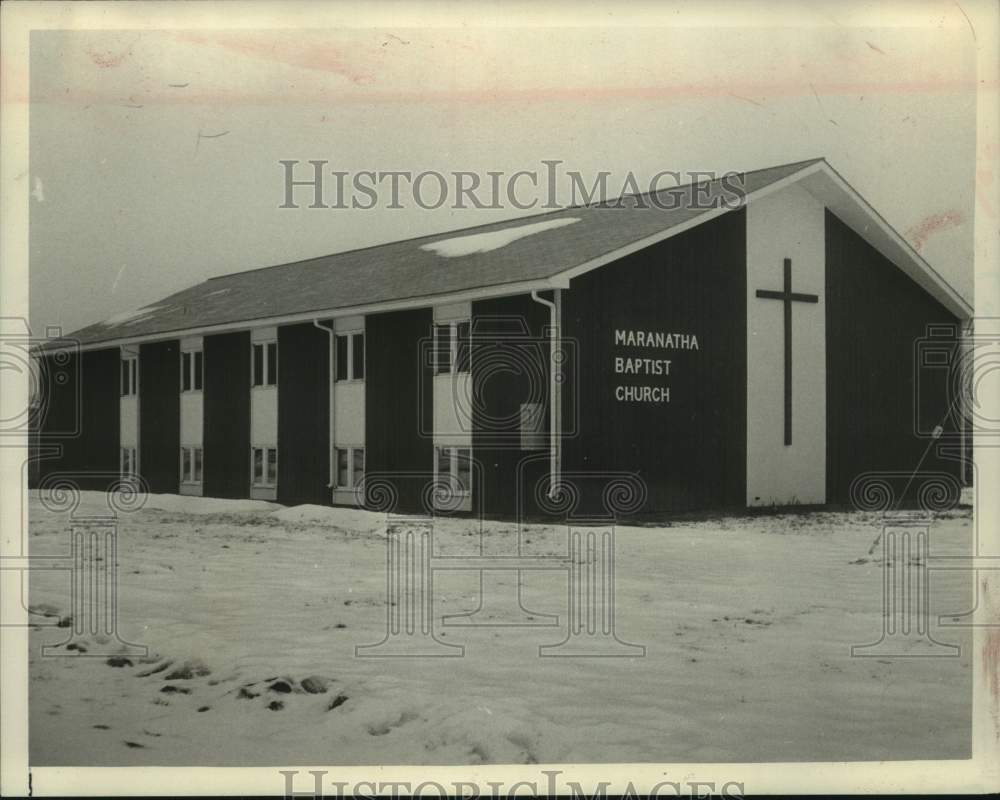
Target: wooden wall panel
159,415
303,414
691,451
510,366
399,400
875,317
227,415
81,417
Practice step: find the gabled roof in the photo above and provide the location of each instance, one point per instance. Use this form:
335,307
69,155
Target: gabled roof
538,252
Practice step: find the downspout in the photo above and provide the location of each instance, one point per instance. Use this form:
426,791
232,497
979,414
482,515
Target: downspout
555,395
965,342
330,333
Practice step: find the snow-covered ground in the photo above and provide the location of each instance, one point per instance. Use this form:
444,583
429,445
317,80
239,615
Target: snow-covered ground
251,613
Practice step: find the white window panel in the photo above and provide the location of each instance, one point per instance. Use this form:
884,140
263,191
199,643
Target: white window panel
264,364
264,465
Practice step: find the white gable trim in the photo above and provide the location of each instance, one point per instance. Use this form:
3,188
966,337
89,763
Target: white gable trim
694,222
844,200
824,183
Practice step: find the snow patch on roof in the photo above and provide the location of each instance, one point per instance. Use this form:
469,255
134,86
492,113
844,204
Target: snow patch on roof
493,240
137,315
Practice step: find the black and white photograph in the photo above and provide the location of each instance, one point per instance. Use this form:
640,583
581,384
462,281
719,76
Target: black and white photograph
550,388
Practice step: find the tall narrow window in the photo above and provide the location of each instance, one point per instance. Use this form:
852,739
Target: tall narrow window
358,466
350,462
129,466
199,366
442,348
258,465
358,357
343,479
342,342
463,470
272,363
191,464
265,364
130,372
265,466
192,370
453,466
350,357
451,347
444,462
462,347
258,365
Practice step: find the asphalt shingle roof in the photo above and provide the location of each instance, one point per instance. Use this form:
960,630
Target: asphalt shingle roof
410,269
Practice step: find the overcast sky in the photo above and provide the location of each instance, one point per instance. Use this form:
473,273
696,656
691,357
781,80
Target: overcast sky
131,201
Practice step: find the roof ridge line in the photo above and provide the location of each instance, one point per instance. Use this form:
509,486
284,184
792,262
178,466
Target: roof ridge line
454,231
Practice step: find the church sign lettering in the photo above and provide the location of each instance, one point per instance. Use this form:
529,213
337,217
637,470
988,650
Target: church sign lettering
645,366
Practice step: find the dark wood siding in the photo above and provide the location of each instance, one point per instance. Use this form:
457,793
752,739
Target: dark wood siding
303,414
398,401
81,417
875,316
160,415
691,452
58,417
227,415
510,366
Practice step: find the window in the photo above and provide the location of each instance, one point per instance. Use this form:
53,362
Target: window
532,426
265,364
350,463
130,376
191,464
350,357
451,347
455,464
343,478
258,466
265,466
462,346
129,467
358,466
358,357
442,349
192,370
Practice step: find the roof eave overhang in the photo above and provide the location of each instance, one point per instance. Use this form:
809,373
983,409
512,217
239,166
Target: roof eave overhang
830,188
824,183
422,301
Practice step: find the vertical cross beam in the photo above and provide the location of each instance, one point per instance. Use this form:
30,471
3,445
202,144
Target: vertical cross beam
787,297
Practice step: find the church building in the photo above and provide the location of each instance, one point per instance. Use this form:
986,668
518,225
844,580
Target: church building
725,355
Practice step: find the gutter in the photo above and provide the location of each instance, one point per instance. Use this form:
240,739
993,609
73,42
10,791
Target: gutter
555,384
330,467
